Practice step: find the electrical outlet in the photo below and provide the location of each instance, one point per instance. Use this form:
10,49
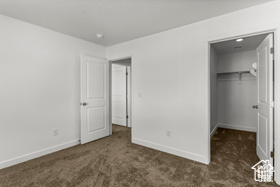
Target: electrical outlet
168,133
55,132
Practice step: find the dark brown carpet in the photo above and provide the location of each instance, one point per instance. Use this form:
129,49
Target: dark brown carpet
114,161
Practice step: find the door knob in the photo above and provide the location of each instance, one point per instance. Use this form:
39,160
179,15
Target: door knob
255,106
84,104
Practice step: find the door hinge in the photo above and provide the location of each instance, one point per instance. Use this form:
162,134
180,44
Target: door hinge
272,104
272,50
126,73
127,117
272,154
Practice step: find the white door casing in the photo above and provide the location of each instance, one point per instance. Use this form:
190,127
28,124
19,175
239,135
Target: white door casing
129,100
119,95
265,99
94,98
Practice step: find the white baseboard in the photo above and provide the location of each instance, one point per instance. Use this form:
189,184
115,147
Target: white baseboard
214,130
37,154
237,127
124,125
174,151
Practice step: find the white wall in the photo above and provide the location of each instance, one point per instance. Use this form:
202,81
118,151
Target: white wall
236,97
170,82
239,61
214,89
39,90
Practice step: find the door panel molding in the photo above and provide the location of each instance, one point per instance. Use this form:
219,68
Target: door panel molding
265,97
260,138
94,99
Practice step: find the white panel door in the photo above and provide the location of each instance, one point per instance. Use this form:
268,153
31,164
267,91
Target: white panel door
265,98
119,109
94,98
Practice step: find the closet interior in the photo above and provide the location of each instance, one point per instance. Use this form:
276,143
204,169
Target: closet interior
242,98
233,67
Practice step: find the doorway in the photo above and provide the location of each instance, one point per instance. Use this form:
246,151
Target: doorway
121,92
96,102
242,90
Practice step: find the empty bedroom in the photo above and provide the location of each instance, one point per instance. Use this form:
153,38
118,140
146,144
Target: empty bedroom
139,93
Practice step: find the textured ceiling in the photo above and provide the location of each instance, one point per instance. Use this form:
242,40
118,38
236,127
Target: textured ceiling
118,20
248,43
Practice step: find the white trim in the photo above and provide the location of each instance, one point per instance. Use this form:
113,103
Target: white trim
110,98
129,87
234,127
237,127
118,59
214,130
174,151
208,102
277,106
37,154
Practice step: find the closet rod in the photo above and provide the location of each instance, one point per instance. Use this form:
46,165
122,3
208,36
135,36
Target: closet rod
239,72
226,73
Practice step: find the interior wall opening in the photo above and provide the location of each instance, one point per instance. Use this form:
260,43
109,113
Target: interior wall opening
242,93
121,92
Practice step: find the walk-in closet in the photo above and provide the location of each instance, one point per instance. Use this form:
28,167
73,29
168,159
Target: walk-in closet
242,91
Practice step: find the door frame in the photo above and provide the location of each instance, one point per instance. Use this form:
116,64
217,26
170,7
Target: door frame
128,92
111,61
245,32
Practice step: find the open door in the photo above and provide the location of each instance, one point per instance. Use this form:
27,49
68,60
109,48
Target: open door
119,95
94,98
265,99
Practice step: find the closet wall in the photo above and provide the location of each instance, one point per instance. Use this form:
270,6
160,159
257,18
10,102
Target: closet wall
236,97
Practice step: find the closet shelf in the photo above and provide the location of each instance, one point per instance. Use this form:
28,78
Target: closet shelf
234,72
226,73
